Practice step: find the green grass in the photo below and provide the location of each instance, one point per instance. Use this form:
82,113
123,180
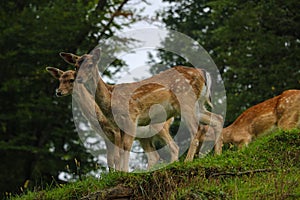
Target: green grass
268,169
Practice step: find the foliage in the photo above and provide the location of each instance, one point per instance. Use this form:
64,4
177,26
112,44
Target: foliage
255,45
38,140
272,160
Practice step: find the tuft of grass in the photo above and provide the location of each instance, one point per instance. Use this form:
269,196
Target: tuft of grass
267,169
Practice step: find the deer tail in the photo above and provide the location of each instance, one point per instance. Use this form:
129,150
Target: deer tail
208,82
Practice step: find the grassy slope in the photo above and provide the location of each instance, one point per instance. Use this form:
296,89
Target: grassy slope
268,169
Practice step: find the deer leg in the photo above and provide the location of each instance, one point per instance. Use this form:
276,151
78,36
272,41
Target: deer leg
192,124
218,119
150,151
219,145
173,147
110,155
128,129
193,147
127,144
216,122
206,135
116,150
162,130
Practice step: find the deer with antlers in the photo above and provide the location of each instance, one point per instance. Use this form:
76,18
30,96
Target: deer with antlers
111,134
173,92
282,111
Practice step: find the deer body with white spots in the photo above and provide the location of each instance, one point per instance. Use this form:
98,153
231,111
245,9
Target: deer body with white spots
176,91
282,111
109,132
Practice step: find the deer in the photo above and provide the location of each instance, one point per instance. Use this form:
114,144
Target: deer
175,91
111,134
282,111
92,113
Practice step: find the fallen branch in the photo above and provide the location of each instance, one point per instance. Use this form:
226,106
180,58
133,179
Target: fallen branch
240,173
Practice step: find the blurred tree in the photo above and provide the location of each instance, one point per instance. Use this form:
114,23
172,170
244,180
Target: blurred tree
255,45
38,139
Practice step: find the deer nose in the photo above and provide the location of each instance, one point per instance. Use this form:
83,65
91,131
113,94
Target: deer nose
58,93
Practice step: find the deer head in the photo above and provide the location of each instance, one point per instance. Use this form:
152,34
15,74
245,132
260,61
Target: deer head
84,65
66,80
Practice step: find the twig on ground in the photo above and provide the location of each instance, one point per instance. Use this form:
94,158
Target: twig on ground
240,173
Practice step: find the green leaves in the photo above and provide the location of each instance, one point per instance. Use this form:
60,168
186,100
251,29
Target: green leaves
255,45
37,133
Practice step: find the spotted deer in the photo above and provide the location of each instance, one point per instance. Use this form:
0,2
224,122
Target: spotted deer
173,92
282,111
91,111
111,134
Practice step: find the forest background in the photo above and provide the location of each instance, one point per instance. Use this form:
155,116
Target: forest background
255,45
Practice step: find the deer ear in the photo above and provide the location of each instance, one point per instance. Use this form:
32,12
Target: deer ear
69,57
56,73
96,55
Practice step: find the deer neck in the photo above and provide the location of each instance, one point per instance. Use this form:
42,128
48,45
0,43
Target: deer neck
102,95
85,102
226,132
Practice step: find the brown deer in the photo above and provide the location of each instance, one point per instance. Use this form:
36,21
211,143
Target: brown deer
91,111
87,103
282,111
176,91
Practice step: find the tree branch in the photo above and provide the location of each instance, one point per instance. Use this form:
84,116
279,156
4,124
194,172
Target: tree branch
112,18
240,173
